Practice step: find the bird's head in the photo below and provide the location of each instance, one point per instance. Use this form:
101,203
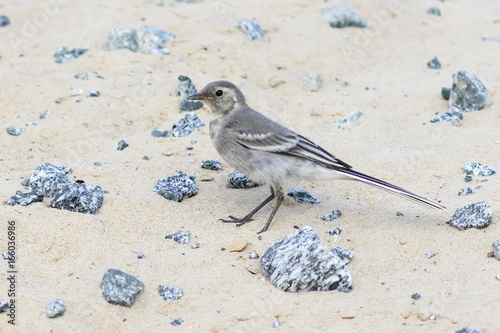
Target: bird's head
222,97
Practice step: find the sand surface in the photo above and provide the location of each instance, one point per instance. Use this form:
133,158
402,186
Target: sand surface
61,254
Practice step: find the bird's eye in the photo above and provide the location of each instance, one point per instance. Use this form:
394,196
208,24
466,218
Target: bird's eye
219,93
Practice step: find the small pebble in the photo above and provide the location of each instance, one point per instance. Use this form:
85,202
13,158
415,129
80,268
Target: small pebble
195,245
186,125
14,130
347,121
434,11
432,317
177,187
64,54
238,180
335,232
145,158
468,179
44,114
81,76
498,277
253,255
468,330
416,296
97,163
181,237
186,89
211,165
76,92
122,145
143,39
312,82
4,21
342,16
159,134
140,255
467,93
303,196
94,93
465,191
434,63
430,253
399,214
4,306
333,215
251,29
445,92
496,249
177,322
453,115
476,215
120,288
55,308
169,292
276,324
478,169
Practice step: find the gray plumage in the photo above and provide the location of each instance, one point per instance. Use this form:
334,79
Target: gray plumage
268,152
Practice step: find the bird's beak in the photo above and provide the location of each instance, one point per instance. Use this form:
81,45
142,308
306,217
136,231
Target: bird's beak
199,97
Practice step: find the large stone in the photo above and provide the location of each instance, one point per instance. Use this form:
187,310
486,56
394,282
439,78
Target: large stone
467,93
300,262
476,215
120,288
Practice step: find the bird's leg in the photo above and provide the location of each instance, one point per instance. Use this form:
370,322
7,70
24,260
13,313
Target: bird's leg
248,217
279,200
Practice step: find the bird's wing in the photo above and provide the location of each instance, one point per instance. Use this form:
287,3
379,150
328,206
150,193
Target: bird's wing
284,141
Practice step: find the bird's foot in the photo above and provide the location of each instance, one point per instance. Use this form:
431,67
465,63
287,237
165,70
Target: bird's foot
239,222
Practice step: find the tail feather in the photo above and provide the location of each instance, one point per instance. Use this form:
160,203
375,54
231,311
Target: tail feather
390,188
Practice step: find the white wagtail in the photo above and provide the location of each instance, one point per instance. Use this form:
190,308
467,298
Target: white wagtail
270,153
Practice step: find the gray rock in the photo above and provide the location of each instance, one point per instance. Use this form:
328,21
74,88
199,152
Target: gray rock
434,63
465,191
81,76
303,196
211,165
253,255
80,198
467,92
347,121
181,237
122,145
176,187
445,92
496,249
159,134
300,262
430,253
4,20
44,114
342,16
416,296
45,181
335,232
333,215
169,292
143,39
120,288
140,255
276,324
4,306
434,11
477,169
186,125
64,54
94,93
251,29
195,245
14,130
56,308
312,82
177,322
238,180
186,89
453,115
476,215
468,330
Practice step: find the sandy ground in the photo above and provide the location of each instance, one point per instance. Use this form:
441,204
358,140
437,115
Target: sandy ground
62,254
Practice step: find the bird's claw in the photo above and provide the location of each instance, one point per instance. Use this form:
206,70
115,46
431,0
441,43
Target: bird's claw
239,222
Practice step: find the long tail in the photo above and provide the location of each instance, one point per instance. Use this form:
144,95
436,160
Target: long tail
390,188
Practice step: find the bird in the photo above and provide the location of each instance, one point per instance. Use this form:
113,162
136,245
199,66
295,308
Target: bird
270,153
